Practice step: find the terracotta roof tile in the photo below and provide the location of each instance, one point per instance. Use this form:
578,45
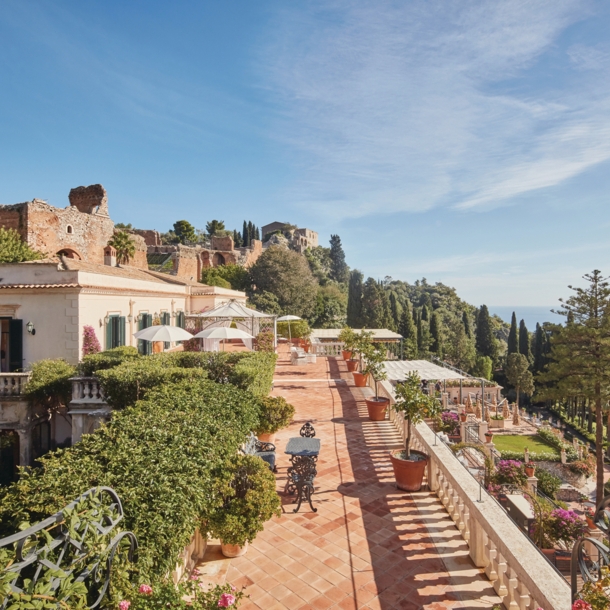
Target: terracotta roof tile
38,286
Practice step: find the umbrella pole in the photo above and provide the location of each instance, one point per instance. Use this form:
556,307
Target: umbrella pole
289,334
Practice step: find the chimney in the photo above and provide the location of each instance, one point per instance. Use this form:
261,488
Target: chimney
109,256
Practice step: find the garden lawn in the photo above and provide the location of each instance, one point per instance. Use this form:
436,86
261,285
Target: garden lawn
514,442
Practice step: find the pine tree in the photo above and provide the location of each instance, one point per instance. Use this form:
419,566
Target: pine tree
485,341
524,341
407,329
436,345
244,235
513,337
466,323
354,300
518,374
339,271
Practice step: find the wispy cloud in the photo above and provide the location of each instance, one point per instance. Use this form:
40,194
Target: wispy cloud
389,107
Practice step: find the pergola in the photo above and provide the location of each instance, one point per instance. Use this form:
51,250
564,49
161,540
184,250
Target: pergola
244,318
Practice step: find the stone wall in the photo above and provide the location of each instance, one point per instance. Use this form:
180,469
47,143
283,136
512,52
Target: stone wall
151,238
139,258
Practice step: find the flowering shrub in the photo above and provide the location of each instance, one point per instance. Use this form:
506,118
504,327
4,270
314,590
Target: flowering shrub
579,604
167,595
585,467
594,595
450,423
90,343
509,472
564,526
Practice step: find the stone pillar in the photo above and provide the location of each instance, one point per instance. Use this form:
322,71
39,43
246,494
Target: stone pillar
25,447
476,544
463,431
432,478
564,458
532,485
483,428
86,421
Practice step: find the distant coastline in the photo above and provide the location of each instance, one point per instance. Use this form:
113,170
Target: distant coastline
531,314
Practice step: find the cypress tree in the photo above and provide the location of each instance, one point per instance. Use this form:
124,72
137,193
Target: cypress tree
339,271
236,239
539,355
373,313
244,235
513,338
420,335
407,329
436,345
257,233
466,323
250,232
485,341
354,300
396,309
387,319
424,313
524,341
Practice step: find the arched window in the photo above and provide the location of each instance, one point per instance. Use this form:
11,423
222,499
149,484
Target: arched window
69,229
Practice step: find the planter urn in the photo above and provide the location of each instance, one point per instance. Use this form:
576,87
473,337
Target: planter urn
488,437
266,437
233,550
377,408
352,365
409,474
359,379
347,355
530,470
463,417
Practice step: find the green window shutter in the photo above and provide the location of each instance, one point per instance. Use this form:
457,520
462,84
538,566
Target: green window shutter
15,346
165,320
122,330
109,334
180,319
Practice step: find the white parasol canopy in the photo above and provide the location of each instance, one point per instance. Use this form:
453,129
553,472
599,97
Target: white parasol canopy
289,319
163,333
233,309
223,332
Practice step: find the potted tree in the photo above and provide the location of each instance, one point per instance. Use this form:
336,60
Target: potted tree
245,496
275,413
348,337
374,366
409,465
362,346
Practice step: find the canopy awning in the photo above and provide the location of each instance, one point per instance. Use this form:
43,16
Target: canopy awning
232,309
332,334
398,370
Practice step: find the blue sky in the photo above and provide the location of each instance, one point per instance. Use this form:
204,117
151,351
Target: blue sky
465,142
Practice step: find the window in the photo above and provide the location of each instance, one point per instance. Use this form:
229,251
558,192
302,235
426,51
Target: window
144,321
115,331
69,229
11,345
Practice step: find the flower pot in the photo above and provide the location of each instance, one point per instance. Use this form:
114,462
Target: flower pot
590,523
549,554
352,365
409,474
488,437
359,379
346,355
530,470
463,417
377,408
233,550
267,438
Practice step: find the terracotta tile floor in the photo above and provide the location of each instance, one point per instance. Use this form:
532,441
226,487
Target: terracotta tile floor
369,545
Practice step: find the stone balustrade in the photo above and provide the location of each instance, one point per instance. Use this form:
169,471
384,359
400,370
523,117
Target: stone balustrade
13,384
88,407
328,349
87,389
520,574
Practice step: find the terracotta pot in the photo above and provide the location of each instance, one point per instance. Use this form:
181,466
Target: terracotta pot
306,348
359,380
530,470
408,474
267,438
488,437
549,554
377,408
463,417
346,355
352,365
233,550
591,523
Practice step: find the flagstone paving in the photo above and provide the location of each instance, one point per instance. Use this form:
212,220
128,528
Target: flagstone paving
370,545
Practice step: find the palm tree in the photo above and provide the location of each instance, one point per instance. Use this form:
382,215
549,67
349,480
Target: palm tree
124,246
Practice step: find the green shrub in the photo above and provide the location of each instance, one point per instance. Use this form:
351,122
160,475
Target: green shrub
107,360
548,483
50,383
541,456
299,329
246,500
252,371
275,414
129,382
160,456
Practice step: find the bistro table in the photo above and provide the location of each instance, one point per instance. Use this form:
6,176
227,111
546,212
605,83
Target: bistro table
304,455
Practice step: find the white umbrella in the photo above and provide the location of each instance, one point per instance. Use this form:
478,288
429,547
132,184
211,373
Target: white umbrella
163,333
223,332
289,319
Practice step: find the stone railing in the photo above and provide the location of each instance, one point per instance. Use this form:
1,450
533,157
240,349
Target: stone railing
327,349
13,384
88,407
520,574
87,389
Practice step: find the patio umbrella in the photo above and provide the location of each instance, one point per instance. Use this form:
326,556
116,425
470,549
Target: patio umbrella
163,333
223,332
289,319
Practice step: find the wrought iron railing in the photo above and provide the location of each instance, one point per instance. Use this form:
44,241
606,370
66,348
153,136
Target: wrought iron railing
72,546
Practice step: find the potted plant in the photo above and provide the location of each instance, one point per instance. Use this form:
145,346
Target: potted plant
463,417
374,366
362,346
450,425
348,337
275,413
558,525
530,469
244,490
488,437
409,465
589,515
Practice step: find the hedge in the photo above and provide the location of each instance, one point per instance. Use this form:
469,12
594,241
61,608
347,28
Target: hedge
107,360
158,456
50,383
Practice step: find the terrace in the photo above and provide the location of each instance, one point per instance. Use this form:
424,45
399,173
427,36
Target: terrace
372,546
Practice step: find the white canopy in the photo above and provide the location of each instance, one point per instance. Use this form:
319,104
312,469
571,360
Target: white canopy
398,370
223,332
163,333
288,318
233,309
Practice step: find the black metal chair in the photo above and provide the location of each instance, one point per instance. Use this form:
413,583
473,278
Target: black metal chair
307,431
265,451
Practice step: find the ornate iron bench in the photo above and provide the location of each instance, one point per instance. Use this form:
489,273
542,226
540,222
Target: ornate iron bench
265,451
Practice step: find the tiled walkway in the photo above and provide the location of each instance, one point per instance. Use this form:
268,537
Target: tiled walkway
369,545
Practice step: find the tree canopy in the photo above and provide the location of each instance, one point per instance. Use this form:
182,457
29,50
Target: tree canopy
215,227
184,231
354,299
13,249
339,271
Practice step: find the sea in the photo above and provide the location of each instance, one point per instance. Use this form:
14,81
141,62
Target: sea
532,315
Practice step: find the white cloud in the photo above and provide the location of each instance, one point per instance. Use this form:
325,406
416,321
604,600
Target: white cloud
391,107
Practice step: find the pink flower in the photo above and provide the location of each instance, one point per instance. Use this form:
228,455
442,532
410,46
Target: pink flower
124,605
233,588
226,600
580,604
145,590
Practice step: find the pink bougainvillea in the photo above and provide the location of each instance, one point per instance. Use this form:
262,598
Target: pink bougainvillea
124,605
90,343
145,590
579,604
226,600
